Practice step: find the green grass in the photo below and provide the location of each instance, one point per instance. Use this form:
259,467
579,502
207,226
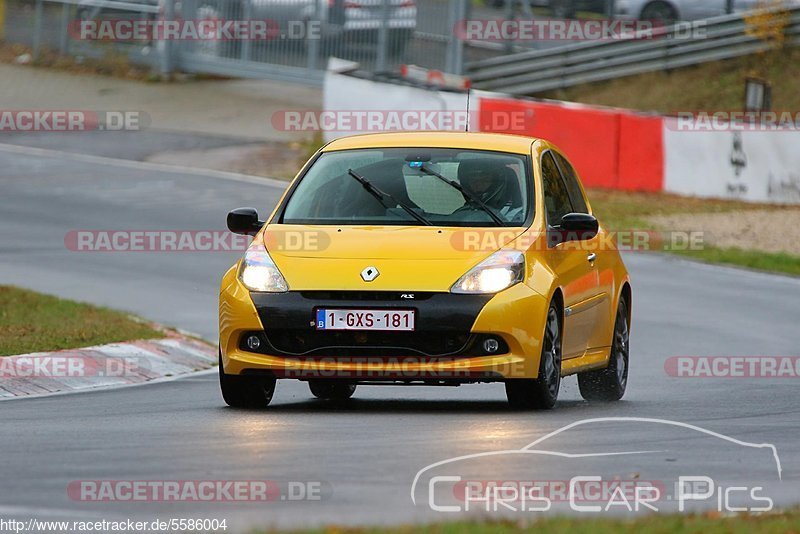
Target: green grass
713,523
751,259
32,322
711,86
625,211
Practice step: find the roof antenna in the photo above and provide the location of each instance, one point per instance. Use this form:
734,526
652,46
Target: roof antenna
467,127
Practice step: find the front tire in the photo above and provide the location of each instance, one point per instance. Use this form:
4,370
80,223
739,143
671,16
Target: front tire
240,391
333,390
541,393
609,384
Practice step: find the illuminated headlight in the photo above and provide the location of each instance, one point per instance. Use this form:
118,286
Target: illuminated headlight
499,271
259,273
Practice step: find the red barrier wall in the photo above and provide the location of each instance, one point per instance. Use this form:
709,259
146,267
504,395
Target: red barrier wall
609,148
641,153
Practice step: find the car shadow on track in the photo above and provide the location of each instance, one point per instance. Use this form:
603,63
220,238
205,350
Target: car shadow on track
419,406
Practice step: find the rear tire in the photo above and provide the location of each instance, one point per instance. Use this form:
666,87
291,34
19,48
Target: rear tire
541,393
608,385
333,390
242,391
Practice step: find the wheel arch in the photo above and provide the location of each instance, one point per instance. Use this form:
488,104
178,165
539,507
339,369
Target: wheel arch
558,296
626,294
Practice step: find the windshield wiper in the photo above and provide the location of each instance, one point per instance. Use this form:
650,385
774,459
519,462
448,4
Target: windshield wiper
381,195
472,198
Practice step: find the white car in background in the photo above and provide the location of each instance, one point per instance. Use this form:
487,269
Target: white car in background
670,11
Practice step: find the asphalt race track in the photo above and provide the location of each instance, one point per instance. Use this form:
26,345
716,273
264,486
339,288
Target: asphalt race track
365,456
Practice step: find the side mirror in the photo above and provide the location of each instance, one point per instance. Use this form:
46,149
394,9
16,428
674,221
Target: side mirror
575,227
244,221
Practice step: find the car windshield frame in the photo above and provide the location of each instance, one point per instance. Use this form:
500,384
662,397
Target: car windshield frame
528,196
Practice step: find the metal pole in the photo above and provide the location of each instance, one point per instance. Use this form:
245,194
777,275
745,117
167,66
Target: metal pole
167,48
247,14
383,38
63,45
312,40
728,6
37,28
456,42
454,60
511,15
610,9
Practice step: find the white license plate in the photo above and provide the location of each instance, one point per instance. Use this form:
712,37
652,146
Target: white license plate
395,320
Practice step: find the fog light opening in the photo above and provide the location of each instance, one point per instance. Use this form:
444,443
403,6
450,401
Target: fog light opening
253,342
491,345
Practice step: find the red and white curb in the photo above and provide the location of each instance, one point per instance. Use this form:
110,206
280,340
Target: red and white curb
103,366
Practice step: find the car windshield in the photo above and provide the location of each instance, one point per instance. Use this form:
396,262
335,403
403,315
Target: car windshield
443,187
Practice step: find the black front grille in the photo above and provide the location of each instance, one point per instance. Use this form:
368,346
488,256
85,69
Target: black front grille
443,323
332,343
308,343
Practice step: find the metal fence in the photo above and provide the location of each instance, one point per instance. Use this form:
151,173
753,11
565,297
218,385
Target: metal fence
721,38
380,35
300,34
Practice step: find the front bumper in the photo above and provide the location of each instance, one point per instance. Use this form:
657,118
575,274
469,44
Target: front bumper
447,344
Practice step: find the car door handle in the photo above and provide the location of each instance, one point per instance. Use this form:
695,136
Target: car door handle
591,257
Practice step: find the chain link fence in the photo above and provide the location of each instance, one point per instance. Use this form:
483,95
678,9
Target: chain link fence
279,39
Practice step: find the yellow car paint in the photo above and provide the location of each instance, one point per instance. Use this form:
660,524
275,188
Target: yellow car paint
420,258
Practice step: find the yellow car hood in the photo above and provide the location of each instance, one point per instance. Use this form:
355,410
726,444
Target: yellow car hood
408,258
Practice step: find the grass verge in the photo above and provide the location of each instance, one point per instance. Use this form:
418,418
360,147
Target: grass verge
711,86
751,259
627,211
711,523
32,322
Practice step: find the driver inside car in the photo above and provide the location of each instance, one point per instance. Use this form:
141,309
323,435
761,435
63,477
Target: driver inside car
494,184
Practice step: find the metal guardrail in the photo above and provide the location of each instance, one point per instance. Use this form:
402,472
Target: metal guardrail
536,71
380,35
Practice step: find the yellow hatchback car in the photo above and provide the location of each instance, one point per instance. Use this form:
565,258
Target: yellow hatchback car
431,259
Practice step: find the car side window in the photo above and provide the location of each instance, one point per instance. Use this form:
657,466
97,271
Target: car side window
574,189
556,197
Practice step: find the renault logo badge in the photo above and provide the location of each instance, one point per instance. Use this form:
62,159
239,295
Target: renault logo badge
369,274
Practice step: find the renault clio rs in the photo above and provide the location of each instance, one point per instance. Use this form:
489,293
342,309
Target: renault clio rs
431,259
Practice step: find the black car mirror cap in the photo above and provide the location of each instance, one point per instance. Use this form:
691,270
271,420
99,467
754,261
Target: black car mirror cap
244,221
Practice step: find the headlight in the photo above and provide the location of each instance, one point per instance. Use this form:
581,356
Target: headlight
259,273
499,271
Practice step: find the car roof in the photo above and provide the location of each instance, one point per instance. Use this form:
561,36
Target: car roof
515,144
